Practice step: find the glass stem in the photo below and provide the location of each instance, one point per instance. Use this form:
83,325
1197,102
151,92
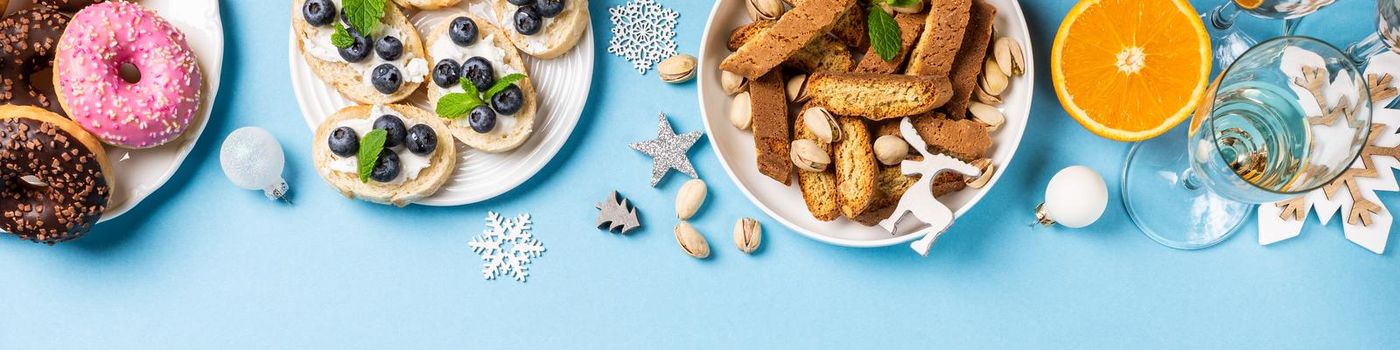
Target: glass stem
1290,25
1223,16
1189,180
1363,50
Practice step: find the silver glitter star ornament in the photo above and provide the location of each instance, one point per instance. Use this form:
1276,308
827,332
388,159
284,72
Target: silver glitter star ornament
668,151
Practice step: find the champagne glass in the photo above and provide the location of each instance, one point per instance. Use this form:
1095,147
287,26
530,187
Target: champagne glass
1287,117
1386,35
1230,42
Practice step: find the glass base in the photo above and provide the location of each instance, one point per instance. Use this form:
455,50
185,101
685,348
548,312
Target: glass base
1168,203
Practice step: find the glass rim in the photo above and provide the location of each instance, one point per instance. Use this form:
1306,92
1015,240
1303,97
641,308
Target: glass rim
1346,61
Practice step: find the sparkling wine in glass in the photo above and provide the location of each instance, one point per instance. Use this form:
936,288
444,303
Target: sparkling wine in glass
1287,117
1230,42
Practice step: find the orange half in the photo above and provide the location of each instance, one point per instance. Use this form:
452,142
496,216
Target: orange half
1130,70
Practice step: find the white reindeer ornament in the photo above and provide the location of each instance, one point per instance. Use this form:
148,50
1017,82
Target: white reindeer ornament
918,199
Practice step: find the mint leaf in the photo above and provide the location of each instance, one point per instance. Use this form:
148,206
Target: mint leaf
455,106
370,147
884,33
341,38
502,84
364,15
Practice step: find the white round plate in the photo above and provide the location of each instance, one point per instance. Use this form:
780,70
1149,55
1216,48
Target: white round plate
141,172
562,84
735,147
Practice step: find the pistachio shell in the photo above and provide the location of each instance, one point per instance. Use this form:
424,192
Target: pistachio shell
993,80
987,114
748,235
980,94
807,156
690,198
765,9
741,111
822,124
733,83
677,69
691,241
891,150
1009,56
988,170
797,88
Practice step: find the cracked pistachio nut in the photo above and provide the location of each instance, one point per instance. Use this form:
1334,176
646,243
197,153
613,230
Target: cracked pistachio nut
980,94
808,156
797,89
677,69
993,80
1009,56
741,111
690,198
822,124
988,170
891,150
912,8
765,9
987,114
691,241
733,83
748,234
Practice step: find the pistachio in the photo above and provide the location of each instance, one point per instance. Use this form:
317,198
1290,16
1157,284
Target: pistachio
807,156
689,199
822,124
987,115
765,9
677,69
1009,56
988,170
980,94
691,241
891,150
797,89
741,111
748,235
733,83
912,8
993,80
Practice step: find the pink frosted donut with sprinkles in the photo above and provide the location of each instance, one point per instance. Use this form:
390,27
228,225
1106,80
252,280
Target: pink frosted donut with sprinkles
137,111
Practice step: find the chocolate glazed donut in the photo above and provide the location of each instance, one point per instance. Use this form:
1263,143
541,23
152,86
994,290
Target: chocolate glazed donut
69,6
54,177
28,42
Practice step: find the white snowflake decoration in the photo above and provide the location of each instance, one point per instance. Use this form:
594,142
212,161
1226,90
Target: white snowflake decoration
506,246
643,33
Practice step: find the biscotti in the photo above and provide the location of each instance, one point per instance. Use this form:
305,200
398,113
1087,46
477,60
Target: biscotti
964,139
878,96
771,130
850,28
909,27
943,33
818,188
971,58
823,53
788,35
855,167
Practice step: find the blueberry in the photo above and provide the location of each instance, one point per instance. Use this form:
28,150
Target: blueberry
386,78
508,101
527,20
386,168
344,18
389,48
447,73
344,142
395,129
462,31
550,8
521,2
482,119
422,140
359,50
318,12
479,71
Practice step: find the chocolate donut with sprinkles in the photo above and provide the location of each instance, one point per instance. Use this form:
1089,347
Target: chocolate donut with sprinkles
55,180
69,6
144,110
28,41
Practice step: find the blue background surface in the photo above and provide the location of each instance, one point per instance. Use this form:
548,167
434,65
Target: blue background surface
202,264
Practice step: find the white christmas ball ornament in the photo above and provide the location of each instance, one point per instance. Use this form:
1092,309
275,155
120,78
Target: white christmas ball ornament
252,159
1075,198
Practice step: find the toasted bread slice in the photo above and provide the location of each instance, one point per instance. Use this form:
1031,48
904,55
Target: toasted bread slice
964,139
441,163
971,58
559,34
788,35
943,33
351,79
909,27
878,96
821,54
818,188
511,130
771,130
427,4
856,167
